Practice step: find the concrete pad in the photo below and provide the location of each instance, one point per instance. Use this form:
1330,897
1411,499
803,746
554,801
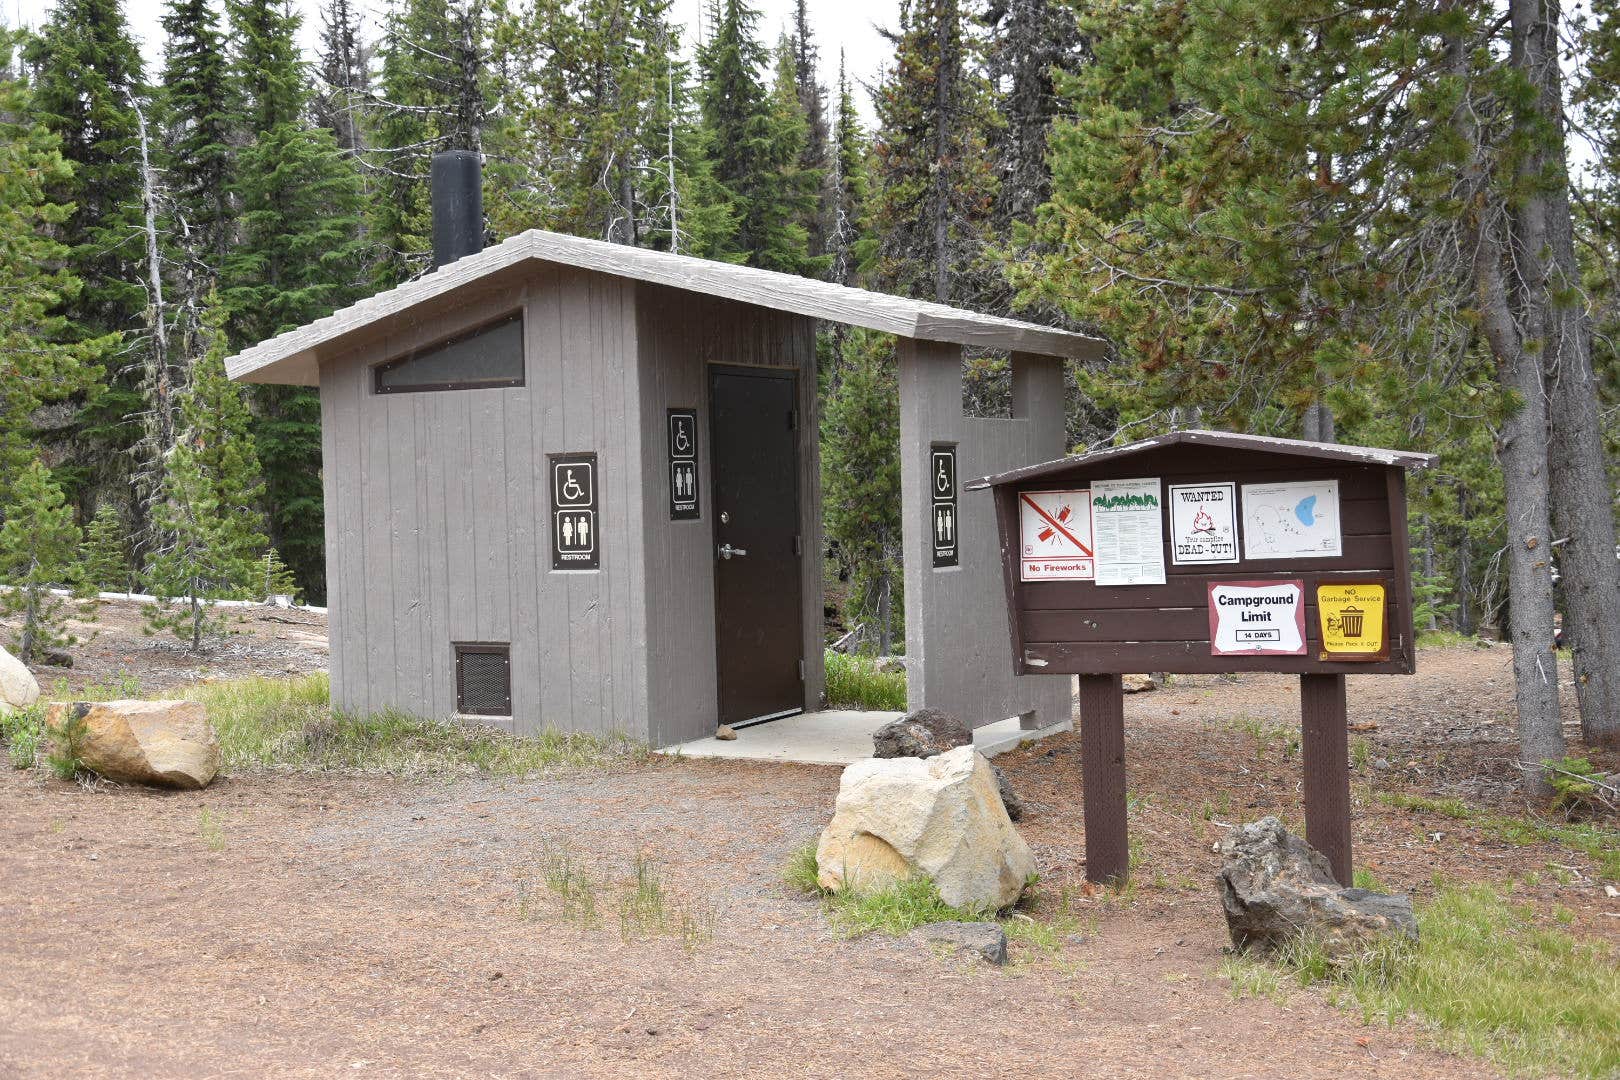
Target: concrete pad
838,737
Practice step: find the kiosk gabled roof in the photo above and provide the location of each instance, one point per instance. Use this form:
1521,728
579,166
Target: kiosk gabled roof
1360,455
292,357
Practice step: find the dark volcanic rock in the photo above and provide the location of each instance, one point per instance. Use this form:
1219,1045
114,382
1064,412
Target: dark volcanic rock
927,732
920,734
1275,888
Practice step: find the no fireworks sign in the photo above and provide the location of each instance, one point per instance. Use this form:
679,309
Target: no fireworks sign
1055,536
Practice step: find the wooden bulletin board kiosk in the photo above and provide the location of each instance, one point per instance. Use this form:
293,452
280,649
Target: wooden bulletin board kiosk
1204,551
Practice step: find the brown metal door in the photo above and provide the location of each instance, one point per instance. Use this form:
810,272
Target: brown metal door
758,593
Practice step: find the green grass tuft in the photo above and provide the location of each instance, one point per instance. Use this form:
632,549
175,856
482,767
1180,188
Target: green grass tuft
22,732
802,873
853,682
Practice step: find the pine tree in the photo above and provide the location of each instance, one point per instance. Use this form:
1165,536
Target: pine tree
345,69
846,187
813,159
87,77
1032,43
932,185
106,552
39,551
39,360
597,94
300,257
755,142
209,518
860,478
433,93
199,113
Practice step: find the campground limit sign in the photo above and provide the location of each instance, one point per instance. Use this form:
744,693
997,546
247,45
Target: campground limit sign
1208,552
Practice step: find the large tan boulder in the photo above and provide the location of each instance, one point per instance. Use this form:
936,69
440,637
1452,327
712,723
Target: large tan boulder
940,817
18,687
164,743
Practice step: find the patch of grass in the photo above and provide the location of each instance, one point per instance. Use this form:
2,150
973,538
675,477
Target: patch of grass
1439,639
266,722
802,873
1366,879
211,831
854,682
1486,980
124,687
897,910
1360,752
645,906
1253,978
1600,843
22,733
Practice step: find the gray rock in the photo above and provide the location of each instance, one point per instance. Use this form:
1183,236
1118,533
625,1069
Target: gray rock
927,732
1275,887
920,734
985,940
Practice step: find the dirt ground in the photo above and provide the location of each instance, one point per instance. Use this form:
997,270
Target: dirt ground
316,925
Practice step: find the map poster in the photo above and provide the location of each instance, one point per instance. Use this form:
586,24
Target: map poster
1055,536
1203,523
1292,521
1352,614
1257,618
1127,522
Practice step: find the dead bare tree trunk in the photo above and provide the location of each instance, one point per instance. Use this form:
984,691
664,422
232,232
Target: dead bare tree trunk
1582,500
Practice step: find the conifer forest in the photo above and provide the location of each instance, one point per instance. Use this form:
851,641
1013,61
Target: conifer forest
1388,223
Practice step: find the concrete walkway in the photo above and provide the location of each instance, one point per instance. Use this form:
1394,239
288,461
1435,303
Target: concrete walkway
837,737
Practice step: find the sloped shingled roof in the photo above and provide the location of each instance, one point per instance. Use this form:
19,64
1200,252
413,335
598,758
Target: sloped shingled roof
1358,455
292,357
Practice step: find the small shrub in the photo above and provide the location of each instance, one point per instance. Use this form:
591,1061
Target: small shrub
22,732
65,744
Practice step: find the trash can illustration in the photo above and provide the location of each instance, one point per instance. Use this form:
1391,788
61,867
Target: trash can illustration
1351,619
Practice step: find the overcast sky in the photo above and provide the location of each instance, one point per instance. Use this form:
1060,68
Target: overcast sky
847,24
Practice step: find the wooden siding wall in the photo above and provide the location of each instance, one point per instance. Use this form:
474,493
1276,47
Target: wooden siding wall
681,334
956,625
438,507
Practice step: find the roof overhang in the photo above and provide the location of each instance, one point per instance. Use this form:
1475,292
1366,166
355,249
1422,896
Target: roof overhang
294,357
1358,455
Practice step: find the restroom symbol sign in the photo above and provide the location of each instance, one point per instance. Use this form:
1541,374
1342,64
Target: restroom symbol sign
575,544
683,472
942,507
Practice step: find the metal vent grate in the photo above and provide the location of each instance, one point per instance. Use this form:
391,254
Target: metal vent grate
484,680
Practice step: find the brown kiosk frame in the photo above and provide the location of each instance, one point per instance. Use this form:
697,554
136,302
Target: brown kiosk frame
1098,633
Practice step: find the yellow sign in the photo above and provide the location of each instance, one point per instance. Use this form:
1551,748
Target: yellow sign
1353,622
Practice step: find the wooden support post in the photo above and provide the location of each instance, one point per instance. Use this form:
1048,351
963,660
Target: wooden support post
1325,727
1102,770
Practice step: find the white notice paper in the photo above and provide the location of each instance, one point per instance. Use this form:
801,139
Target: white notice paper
1127,525
1292,521
1203,523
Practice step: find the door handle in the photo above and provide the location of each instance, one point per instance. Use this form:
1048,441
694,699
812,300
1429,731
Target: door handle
727,551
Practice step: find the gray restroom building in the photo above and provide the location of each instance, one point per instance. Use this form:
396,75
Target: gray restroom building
575,485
